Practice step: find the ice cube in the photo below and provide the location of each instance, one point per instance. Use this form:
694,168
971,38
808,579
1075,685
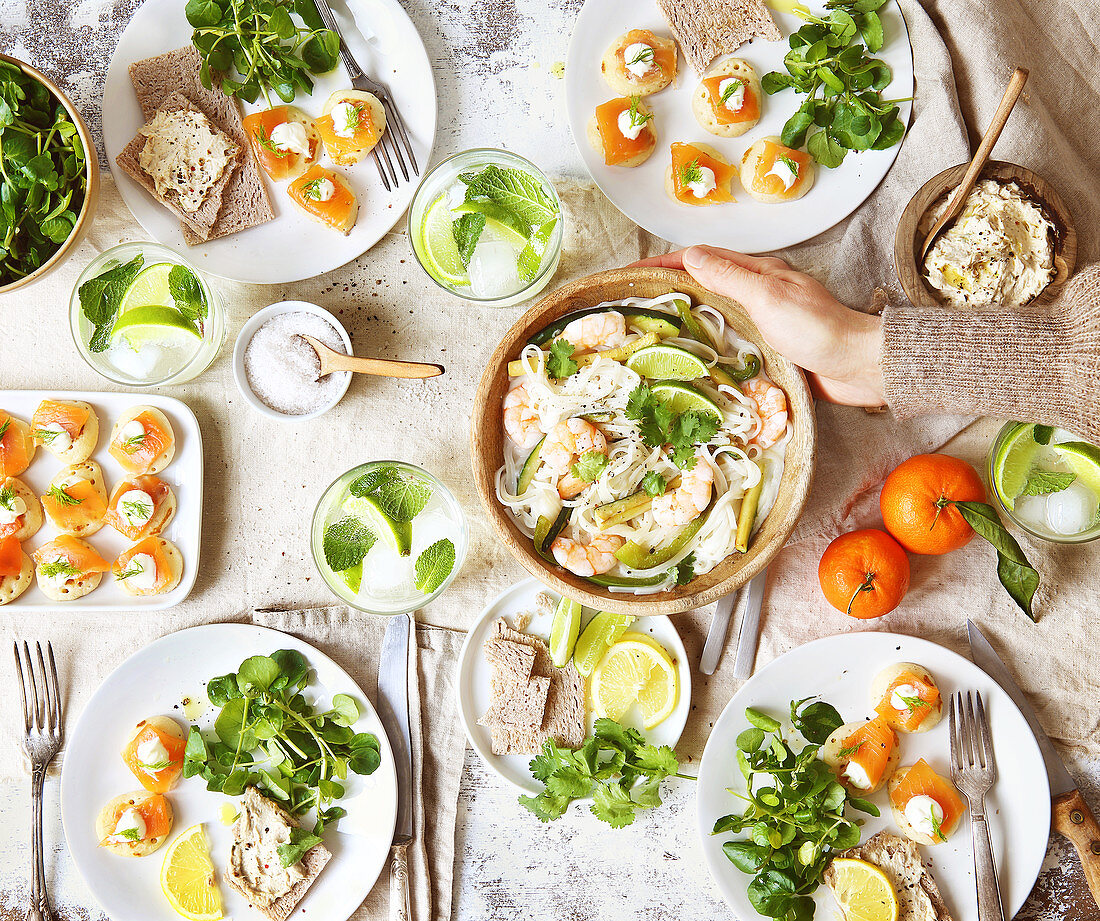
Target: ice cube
141,365
385,574
493,271
1072,510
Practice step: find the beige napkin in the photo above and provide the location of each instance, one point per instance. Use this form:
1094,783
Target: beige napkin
88,648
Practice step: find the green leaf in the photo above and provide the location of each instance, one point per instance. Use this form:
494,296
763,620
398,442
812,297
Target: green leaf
1044,482
794,131
346,709
761,720
257,673
1017,575
685,569
467,230
188,295
202,13
293,666
222,689
817,721
1042,434
434,565
589,466
654,484
514,190
402,497
194,753
559,361
825,150
750,740
301,841
321,53
612,804
364,756
281,24
870,29
346,542
655,760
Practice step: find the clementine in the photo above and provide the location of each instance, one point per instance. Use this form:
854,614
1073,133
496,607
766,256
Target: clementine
918,499
864,573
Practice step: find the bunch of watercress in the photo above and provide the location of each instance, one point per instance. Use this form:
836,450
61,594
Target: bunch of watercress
251,46
43,178
268,735
794,815
844,109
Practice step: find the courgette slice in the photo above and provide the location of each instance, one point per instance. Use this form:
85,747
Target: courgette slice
547,531
529,468
630,581
633,314
638,556
664,326
613,513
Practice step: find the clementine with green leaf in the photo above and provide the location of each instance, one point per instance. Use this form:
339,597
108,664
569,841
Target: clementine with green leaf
918,503
864,573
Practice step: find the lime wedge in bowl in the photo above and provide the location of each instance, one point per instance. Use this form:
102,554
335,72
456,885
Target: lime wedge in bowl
438,246
667,363
1084,459
1013,461
398,534
563,633
683,397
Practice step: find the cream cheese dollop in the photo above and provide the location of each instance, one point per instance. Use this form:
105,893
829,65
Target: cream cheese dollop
136,507
635,66
705,184
132,429
628,127
345,119
61,439
150,753
736,99
290,137
146,576
897,699
924,814
782,170
857,776
9,514
130,821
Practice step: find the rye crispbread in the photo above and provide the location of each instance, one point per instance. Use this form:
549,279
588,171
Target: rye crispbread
706,29
246,202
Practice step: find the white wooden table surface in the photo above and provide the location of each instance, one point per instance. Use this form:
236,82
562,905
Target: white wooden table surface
499,67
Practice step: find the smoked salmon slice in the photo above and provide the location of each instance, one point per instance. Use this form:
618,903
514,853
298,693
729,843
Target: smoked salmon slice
136,455
325,197
870,747
750,108
773,185
364,132
15,454
617,147
154,487
11,557
922,780
664,53
7,500
71,418
687,160
157,781
919,707
280,163
154,811
155,549
74,551
74,507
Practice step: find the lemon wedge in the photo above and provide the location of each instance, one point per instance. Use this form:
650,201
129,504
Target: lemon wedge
864,892
636,670
187,877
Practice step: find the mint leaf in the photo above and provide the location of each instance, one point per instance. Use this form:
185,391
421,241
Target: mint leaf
433,566
101,296
590,466
531,256
560,363
402,497
187,293
1044,482
1042,434
514,190
368,482
467,231
346,542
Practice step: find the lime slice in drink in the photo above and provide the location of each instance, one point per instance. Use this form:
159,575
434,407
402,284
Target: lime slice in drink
152,321
563,634
353,578
667,363
498,219
602,630
150,286
1084,459
683,397
1013,461
398,534
438,246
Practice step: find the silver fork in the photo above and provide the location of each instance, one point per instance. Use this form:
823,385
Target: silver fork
395,124
44,733
974,771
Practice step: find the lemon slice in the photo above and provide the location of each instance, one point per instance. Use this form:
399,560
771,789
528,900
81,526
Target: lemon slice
187,877
864,892
635,671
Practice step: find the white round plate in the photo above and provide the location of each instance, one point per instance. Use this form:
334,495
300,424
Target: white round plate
291,247
839,670
746,225
154,681
474,672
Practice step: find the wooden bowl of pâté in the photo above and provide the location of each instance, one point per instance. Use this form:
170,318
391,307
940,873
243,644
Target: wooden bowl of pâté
487,445
916,221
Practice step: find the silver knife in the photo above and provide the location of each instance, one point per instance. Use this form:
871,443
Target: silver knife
716,635
749,636
1071,814
393,710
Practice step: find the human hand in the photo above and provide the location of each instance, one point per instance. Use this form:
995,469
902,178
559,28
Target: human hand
797,316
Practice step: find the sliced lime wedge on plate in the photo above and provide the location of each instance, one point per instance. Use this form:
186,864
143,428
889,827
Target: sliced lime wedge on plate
563,633
1013,461
398,534
683,397
667,363
602,630
438,246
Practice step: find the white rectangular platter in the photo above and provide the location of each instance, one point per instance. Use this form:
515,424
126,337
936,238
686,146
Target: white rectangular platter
183,474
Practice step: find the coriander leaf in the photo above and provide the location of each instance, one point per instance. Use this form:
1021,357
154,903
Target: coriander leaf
589,467
654,484
625,737
434,565
301,841
685,569
559,362
402,497
346,542
1044,482
655,760
516,191
467,231
545,806
612,804
547,761
568,783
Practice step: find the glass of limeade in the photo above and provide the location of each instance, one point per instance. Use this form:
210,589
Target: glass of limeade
1047,481
486,225
142,315
388,537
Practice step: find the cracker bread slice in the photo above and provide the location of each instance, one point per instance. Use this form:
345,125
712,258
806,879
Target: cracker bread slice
706,29
919,897
246,202
202,221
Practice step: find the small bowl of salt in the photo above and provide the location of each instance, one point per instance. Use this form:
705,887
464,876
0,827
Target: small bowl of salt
277,370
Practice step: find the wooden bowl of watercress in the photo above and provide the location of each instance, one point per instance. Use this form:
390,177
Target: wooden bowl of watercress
50,180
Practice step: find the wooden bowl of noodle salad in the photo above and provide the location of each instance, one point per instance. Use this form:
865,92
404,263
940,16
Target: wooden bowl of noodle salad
638,446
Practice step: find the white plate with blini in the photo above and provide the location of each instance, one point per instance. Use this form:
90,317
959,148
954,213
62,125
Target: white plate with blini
154,681
746,225
839,670
183,475
533,598
291,247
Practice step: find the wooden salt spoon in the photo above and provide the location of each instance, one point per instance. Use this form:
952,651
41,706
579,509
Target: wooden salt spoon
985,148
382,367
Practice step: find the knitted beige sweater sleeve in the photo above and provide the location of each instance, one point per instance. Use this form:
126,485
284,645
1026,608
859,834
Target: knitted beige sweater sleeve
1036,367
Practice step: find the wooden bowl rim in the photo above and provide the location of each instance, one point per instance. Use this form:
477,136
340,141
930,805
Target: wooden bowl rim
91,175
797,473
1035,186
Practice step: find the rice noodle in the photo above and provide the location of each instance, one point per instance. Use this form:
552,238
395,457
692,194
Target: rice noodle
600,390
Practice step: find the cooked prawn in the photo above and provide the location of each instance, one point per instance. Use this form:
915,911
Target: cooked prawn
596,330
521,422
565,444
771,403
587,560
686,502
